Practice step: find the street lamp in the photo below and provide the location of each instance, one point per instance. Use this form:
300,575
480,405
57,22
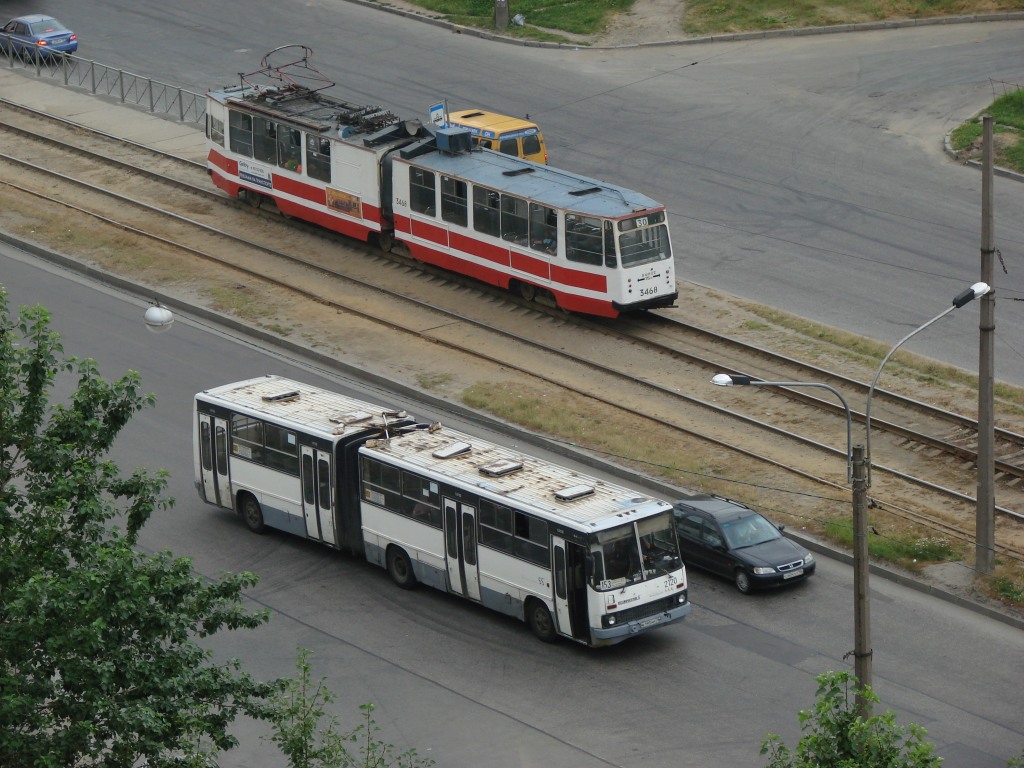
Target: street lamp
736,380
159,318
856,476
966,296
858,471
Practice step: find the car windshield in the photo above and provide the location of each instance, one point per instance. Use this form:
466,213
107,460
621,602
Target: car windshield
749,531
46,26
633,553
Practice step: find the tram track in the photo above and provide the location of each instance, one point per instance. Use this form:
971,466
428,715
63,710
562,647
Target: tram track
513,334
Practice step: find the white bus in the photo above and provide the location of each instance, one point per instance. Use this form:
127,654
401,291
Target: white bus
572,555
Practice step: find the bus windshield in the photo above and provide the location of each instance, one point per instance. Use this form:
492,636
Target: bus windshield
633,553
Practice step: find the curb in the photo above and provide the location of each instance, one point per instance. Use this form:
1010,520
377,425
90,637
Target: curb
870,26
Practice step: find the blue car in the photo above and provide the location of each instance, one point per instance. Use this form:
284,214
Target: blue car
37,35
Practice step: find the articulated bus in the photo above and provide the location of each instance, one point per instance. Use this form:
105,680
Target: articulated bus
571,555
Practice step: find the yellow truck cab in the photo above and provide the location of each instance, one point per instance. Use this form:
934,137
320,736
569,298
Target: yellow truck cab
510,135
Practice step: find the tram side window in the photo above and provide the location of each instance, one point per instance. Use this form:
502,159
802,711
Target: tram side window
486,213
247,437
531,540
421,191
318,158
381,483
289,148
454,207
282,449
421,501
496,526
240,130
583,240
543,228
514,219
215,130
264,140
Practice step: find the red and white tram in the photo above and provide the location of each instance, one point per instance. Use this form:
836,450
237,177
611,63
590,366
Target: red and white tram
586,245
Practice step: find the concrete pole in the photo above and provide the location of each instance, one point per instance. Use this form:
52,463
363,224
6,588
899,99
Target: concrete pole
862,651
985,529
501,14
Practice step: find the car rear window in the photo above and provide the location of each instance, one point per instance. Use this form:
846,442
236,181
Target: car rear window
45,27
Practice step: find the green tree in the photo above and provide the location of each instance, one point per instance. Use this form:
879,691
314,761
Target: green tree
309,736
99,661
836,736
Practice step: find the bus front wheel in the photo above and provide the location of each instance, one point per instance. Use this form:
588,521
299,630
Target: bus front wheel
251,513
539,619
400,568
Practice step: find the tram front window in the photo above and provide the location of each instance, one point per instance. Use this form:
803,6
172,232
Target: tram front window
642,246
644,239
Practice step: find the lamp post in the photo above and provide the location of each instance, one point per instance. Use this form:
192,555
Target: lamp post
857,477
858,474
964,297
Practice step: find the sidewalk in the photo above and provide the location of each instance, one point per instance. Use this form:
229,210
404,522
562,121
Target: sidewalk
22,87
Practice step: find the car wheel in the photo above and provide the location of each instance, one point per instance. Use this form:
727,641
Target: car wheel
252,514
539,619
743,581
400,568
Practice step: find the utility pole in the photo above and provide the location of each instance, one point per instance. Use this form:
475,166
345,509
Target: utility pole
862,651
501,14
985,525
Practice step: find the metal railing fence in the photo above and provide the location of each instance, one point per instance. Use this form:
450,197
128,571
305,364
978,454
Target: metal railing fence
101,80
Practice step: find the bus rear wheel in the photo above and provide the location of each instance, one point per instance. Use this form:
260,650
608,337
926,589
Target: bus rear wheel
251,513
539,618
400,568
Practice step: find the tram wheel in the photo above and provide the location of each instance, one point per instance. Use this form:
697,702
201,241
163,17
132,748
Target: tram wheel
252,514
386,241
527,290
400,568
539,619
254,199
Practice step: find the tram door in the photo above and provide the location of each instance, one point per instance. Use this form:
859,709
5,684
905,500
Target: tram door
213,454
570,588
460,548
317,494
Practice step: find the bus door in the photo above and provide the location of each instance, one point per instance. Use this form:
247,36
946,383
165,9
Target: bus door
213,450
461,549
570,588
317,494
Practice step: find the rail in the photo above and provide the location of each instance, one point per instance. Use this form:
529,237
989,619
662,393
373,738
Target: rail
100,80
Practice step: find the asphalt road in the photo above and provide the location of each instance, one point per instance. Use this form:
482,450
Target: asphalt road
471,688
804,173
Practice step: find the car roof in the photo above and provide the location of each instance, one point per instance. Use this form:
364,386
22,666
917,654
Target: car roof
34,17
717,507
